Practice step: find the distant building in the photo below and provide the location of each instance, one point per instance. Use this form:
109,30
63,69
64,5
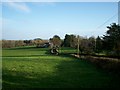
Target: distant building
44,45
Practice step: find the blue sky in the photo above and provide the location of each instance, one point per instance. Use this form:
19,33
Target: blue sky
44,20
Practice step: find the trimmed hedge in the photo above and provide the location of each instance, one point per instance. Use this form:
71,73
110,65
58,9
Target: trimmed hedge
109,64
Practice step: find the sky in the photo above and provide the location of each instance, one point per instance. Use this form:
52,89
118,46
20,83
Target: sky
30,20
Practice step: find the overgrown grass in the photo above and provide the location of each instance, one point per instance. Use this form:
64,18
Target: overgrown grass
34,68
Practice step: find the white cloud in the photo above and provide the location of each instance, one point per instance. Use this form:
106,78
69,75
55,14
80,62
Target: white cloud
19,6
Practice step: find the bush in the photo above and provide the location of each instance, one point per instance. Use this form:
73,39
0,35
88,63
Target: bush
109,64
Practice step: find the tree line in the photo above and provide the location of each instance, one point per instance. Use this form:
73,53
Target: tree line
18,43
107,44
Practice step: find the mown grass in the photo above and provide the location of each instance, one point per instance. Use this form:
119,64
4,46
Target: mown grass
24,52
35,68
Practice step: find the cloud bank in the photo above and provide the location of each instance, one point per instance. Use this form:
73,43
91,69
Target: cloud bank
19,6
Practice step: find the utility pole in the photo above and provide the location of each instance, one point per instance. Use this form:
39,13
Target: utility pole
95,44
78,46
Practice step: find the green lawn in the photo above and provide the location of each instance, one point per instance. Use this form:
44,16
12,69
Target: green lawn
31,67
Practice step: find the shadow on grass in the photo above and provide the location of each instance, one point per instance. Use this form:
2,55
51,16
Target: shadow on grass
73,73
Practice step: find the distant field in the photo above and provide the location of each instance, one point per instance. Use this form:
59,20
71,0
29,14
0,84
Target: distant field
30,67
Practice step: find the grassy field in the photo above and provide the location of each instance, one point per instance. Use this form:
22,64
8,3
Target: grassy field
30,67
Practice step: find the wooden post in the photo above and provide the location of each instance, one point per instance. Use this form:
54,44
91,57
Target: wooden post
95,44
78,46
